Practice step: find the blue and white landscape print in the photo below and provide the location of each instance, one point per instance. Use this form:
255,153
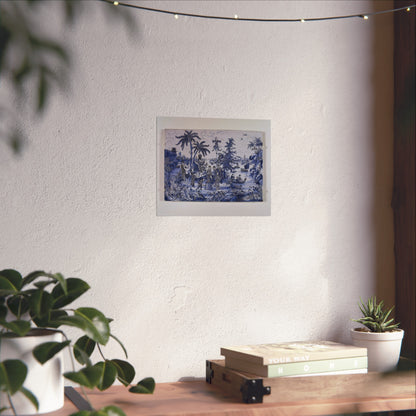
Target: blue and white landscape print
213,165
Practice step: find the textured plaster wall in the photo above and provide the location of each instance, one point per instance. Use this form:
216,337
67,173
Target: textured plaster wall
81,199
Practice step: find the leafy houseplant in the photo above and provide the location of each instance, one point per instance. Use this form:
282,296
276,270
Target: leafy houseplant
40,302
381,335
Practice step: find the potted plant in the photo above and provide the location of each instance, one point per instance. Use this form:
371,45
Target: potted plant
380,335
34,310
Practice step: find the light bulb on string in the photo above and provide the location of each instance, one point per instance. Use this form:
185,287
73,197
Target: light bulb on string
249,19
176,16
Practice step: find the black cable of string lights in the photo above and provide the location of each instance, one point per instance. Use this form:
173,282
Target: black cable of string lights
249,19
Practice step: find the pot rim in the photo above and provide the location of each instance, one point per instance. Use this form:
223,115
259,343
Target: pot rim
395,334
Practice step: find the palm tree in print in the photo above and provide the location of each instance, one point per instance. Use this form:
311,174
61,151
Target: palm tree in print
201,148
188,139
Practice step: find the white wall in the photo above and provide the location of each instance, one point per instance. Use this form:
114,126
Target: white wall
81,199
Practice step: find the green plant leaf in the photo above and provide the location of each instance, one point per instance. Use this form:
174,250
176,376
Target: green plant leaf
83,349
54,277
40,304
52,46
145,386
29,395
387,314
75,321
83,413
105,411
108,374
3,312
13,276
43,89
43,284
31,277
83,358
110,411
125,371
21,72
62,281
18,327
89,320
6,287
18,305
88,376
45,351
55,316
75,288
12,375
98,328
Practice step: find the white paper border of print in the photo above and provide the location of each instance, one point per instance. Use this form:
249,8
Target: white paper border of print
201,208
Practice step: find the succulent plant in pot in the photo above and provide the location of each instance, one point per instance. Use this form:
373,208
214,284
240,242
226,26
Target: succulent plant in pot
34,311
381,335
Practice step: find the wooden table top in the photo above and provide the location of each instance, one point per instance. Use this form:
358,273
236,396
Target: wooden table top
198,398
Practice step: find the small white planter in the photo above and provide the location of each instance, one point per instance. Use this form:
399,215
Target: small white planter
44,381
383,348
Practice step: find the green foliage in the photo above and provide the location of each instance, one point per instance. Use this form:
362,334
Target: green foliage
105,411
145,386
39,62
83,348
125,371
29,395
375,318
12,375
40,300
88,376
44,352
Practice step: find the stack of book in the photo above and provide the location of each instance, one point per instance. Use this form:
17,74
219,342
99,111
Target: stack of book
296,359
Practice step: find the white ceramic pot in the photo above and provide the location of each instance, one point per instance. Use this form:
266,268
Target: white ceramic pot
383,348
44,381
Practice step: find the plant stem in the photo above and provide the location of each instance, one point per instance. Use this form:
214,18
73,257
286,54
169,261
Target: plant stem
101,353
73,369
11,404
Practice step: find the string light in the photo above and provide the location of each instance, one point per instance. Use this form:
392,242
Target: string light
365,16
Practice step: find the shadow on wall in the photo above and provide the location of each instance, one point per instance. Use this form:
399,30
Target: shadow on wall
363,248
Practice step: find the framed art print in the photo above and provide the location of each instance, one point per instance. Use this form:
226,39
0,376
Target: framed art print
209,166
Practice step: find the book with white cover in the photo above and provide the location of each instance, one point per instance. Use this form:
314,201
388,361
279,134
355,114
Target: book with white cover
292,352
